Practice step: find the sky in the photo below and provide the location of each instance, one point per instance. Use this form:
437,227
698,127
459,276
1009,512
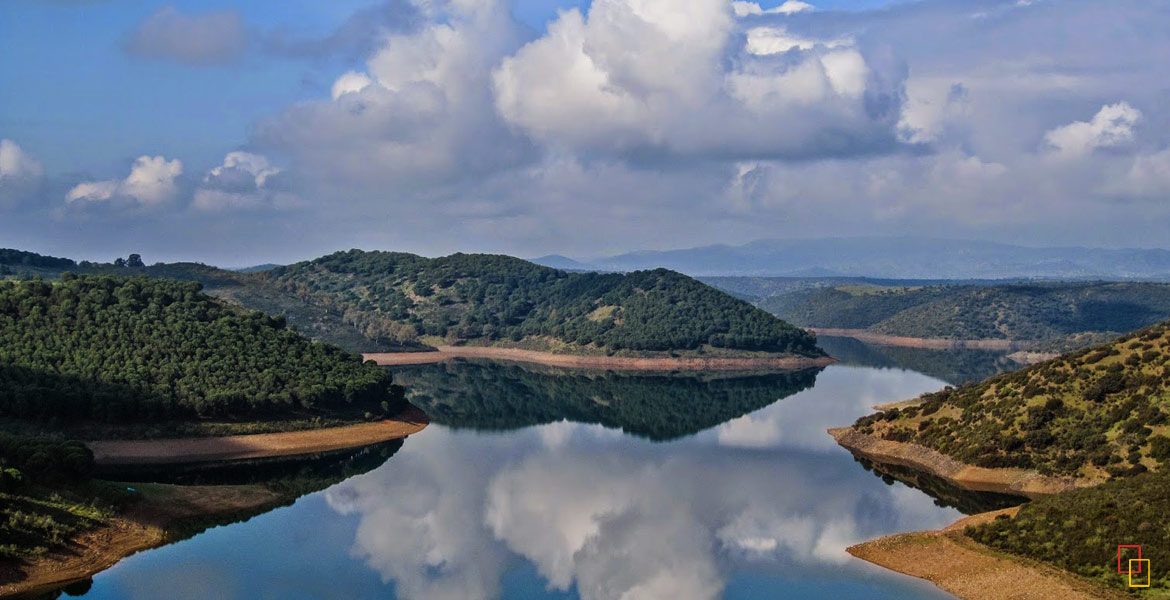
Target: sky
238,133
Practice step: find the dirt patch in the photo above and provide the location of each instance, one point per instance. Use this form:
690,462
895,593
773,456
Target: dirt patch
882,339
1020,482
972,571
783,362
264,445
141,528
1024,357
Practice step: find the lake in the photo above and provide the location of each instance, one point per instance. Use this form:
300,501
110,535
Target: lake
542,483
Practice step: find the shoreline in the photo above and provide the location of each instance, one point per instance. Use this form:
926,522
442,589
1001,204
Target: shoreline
884,339
963,567
784,362
262,445
1018,482
143,527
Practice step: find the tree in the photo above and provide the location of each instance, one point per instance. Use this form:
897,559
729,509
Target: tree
135,260
119,262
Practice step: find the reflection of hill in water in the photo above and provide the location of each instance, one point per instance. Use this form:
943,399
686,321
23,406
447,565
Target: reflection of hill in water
944,493
309,472
494,396
952,366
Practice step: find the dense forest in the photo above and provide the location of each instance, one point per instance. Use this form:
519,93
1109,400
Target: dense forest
1080,530
491,299
383,301
139,349
1095,413
474,395
1016,311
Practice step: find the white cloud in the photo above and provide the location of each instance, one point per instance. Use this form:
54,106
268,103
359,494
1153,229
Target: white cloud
633,75
242,181
349,83
763,41
1148,177
151,182
746,9
211,38
1113,125
419,114
20,174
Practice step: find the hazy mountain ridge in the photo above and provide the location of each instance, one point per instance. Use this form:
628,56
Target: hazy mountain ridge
897,257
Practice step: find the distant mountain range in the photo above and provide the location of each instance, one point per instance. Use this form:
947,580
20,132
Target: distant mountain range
892,257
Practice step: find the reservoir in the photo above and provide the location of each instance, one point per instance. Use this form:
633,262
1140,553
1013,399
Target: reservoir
540,483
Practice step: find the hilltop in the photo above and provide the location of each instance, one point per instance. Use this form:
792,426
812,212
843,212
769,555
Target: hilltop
504,301
387,301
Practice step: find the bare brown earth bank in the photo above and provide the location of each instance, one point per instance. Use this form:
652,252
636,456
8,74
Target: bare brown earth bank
1025,482
264,445
972,571
143,527
882,339
632,363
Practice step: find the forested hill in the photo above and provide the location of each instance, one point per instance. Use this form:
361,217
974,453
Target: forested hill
1016,311
491,299
1095,413
97,348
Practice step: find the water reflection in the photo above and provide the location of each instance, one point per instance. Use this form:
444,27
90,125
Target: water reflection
758,504
952,366
606,516
493,396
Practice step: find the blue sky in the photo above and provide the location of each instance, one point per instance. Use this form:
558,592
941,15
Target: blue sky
281,129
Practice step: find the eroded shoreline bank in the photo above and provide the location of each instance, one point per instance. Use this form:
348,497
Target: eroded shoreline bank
262,445
1019,482
161,509
630,363
971,571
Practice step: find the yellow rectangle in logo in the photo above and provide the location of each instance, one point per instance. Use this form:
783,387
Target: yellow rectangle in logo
1140,569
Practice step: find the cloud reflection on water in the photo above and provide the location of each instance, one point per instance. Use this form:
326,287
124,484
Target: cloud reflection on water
611,516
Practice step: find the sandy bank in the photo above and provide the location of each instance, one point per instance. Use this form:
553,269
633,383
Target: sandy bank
972,571
143,527
236,447
1020,482
882,339
690,363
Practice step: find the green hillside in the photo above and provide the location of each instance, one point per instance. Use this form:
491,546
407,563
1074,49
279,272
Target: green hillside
1095,413
1017,311
489,299
106,349
100,356
1080,530
383,301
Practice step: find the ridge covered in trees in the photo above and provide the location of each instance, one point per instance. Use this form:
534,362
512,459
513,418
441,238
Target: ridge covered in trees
1096,413
1012,311
490,299
96,348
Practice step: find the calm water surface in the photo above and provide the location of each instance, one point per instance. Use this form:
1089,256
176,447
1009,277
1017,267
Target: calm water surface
553,484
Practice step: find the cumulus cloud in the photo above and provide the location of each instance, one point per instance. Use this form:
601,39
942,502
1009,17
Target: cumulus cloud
151,183
744,9
653,76
1113,125
419,114
20,174
244,180
211,38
